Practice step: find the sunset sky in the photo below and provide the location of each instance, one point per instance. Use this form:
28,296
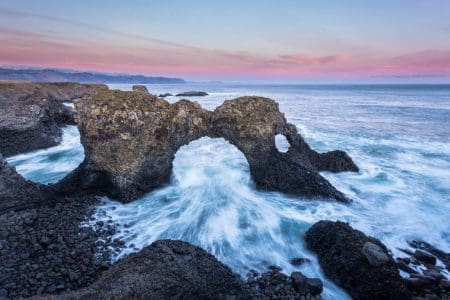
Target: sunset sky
258,39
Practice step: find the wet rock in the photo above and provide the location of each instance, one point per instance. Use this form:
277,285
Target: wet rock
445,283
420,283
140,89
374,254
53,253
298,261
444,257
17,193
339,248
424,257
276,285
161,271
165,95
433,274
306,285
402,265
192,94
130,143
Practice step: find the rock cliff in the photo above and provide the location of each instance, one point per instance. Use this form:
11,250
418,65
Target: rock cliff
17,193
32,114
130,140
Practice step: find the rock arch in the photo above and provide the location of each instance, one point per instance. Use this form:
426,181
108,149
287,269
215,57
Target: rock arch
130,140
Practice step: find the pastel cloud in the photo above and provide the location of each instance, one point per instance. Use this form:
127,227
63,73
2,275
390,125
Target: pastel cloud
150,55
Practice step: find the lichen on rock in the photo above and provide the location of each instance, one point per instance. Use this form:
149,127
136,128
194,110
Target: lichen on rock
130,140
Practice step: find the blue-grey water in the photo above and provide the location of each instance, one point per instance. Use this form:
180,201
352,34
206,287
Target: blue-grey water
398,136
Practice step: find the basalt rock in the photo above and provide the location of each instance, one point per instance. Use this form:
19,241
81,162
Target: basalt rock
12,91
32,114
17,193
167,269
358,263
130,140
34,122
165,95
140,89
192,94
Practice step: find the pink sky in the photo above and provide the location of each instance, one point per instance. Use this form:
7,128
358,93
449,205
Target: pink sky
65,43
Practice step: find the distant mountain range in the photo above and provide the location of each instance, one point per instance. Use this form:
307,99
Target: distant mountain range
57,75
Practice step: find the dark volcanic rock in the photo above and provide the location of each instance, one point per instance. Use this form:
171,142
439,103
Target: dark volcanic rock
443,256
130,140
166,269
365,274
34,122
17,193
46,251
165,95
251,124
32,114
192,94
424,257
276,285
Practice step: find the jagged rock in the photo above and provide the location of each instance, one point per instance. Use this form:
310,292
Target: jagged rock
32,123
140,89
165,95
340,251
32,114
16,193
130,140
251,124
192,94
167,269
424,257
443,256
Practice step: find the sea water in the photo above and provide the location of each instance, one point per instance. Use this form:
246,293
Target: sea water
397,134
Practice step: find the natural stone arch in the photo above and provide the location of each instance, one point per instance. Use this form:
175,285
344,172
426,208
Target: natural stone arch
130,140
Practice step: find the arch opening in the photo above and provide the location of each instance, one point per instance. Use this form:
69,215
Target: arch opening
282,143
51,164
210,162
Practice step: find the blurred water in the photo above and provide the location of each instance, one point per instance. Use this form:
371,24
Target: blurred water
398,136
51,164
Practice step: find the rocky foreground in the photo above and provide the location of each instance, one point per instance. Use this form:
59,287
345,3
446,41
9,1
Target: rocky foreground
48,251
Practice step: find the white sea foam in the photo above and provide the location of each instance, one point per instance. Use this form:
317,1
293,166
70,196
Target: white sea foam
401,193
51,164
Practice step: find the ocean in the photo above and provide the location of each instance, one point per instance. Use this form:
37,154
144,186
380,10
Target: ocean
397,134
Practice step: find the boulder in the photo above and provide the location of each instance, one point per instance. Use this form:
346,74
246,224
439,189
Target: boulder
130,141
140,89
424,257
167,269
165,95
17,193
374,254
358,263
314,286
192,94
